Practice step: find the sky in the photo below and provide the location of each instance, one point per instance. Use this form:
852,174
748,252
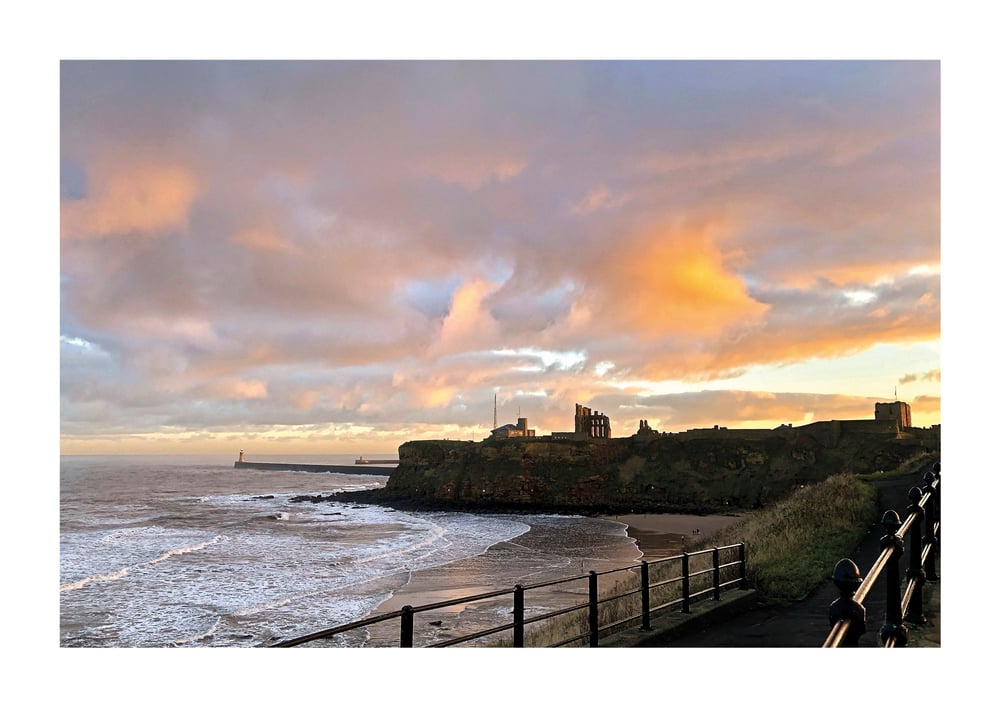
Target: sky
341,256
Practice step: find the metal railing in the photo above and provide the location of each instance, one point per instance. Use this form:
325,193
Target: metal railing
847,613
627,603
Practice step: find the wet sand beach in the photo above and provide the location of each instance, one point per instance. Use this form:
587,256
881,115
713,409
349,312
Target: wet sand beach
660,535
555,547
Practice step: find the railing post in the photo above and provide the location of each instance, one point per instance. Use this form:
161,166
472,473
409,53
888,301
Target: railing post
893,627
686,583
847,578
715,574
915,611
644,577
594,628
518,616
406,627
743,565
931,516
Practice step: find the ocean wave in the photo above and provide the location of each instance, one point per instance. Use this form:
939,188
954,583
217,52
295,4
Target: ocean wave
122,572
81,583
200,637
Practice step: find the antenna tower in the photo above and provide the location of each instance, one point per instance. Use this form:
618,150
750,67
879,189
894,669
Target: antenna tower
494,411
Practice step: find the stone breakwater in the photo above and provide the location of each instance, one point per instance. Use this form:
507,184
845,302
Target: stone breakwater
316,468
667,473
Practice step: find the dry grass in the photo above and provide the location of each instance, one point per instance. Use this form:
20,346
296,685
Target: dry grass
794,544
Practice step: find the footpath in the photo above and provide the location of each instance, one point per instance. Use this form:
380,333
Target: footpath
745,619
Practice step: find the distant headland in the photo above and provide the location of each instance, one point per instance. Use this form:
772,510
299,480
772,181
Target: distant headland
587,470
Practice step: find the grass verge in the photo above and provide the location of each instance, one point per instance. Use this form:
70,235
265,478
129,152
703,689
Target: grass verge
793,545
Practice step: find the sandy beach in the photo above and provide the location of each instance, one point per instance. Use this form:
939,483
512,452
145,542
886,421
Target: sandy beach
661,535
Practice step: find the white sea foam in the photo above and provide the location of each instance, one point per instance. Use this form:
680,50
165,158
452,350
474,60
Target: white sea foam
200,637
133,542
204,567
80,584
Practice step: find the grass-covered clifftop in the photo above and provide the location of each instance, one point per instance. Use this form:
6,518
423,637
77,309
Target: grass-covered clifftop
667,473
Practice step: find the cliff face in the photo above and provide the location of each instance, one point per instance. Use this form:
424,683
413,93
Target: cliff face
708,473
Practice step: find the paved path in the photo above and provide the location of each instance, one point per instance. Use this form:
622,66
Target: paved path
806,623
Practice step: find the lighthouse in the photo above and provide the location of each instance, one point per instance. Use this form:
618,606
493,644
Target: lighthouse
241,455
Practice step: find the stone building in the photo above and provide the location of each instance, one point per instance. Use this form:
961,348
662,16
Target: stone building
898,411
588,424
645,431
508,430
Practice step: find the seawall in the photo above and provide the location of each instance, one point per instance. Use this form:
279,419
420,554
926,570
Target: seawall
364,469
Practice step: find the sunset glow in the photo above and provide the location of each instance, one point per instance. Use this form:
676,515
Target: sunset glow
338,257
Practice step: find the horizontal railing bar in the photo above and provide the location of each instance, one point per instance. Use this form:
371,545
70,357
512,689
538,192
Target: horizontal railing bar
327,632
672,580
564,580
622,622
629,593
673,602
837,634
581,637
630,568
471,636
866,584
462,600
553,614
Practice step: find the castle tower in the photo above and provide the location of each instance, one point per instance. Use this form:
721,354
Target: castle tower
898,411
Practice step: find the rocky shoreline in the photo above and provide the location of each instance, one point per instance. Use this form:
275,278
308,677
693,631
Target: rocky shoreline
382,497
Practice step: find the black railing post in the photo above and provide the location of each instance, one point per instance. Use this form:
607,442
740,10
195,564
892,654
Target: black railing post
847,579
686,583
893,627
715,574
594,628
915,572
644,575
931,516
406,627
518,616
743,565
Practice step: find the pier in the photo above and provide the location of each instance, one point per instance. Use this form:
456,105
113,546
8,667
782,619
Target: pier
369,470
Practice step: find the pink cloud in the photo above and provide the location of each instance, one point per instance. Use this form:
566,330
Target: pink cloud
136,198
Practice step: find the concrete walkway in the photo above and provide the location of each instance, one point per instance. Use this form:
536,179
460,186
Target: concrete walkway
744,619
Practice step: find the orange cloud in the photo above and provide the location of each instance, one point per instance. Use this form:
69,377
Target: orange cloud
673,281
264,239
305,400
236,389
468,323
472,171
132,199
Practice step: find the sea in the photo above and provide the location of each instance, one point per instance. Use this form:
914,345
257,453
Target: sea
190,552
